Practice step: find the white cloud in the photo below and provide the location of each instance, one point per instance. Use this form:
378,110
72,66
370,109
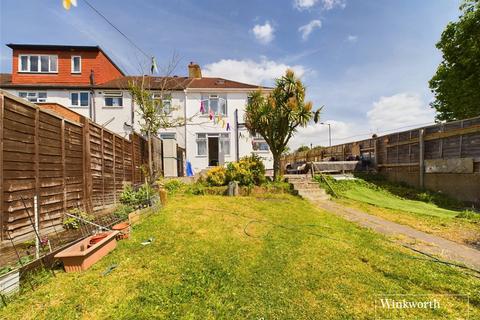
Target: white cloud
309,27
331,4
326,4
399,110
352,38
250,71
304,4
317,134
263,33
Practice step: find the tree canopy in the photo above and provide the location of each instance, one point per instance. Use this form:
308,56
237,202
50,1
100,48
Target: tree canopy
456,84
277,115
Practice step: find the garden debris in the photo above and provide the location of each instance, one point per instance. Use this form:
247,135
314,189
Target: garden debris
109,269
147,242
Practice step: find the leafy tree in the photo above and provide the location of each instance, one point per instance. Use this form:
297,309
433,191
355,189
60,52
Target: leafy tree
277,116
456,84
302,148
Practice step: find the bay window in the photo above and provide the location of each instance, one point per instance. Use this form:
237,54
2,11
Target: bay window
214,104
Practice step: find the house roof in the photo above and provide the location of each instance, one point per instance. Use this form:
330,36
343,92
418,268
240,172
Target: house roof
151,83
56,47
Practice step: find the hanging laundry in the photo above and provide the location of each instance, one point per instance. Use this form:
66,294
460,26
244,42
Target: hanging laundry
202,107
228,126
223,123
211,116
154,67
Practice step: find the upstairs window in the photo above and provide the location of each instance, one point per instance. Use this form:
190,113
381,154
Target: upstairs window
33,96
259,144
214,104
113,99
37,63
163,102
80,99
76,64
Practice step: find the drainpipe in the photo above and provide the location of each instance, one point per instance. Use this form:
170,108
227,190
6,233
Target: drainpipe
93,113
237,144
185,117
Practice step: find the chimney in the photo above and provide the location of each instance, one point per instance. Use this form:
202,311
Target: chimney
194,71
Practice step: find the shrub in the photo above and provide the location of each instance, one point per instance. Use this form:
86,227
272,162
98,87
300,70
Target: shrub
249,171
122,211
137,198
173,185
71,223
469,215
217,176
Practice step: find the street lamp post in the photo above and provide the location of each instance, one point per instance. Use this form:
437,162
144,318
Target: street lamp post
329,133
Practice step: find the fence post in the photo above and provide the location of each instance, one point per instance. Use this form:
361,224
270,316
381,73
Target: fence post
421,155
2,218
64,175
37,165
114,171
103,167
87,167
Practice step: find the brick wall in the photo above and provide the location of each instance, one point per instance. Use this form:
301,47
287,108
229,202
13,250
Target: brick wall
91,60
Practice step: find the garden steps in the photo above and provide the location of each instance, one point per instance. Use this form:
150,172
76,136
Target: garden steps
305,187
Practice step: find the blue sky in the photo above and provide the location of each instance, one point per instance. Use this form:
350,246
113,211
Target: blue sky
367,61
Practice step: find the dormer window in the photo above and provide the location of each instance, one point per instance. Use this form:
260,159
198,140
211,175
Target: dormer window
76,64
36,63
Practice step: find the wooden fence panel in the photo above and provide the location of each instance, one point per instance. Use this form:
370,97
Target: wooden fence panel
66,164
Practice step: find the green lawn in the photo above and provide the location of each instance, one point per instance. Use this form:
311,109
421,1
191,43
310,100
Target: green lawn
400,204
271,257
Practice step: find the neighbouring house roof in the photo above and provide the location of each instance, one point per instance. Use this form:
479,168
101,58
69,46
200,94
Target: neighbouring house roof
55,47
151,83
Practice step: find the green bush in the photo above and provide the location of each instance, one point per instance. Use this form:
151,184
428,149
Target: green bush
122,211
469,215
71,223
217,176
173,185
140,197
249,171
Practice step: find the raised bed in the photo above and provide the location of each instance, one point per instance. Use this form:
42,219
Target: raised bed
83,254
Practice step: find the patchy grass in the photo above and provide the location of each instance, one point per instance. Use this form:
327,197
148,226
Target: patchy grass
263,257
420,209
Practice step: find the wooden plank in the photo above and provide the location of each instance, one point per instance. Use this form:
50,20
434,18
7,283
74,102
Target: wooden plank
114,174
87,187
421,166
103,169
2,216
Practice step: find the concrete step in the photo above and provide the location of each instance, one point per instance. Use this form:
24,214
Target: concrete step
304,184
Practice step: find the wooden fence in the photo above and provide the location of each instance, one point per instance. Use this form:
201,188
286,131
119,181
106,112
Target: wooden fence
66,164
444,157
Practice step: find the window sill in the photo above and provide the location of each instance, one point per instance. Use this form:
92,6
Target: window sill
76,73
109,107
79,107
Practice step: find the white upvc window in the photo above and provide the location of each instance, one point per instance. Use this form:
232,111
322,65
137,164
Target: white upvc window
113,98
201,144
76,64
37,63
223,143
163,102
80,99
214,104
259,144
33,96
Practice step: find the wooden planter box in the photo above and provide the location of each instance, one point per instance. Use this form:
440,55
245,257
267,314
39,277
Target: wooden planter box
74,259
10,282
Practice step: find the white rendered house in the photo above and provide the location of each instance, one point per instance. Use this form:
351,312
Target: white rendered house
86,80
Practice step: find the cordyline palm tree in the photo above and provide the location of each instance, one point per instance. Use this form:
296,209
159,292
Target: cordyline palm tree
277,116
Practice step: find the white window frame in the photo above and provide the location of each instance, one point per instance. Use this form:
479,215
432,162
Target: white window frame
39,63
113,94
259,139
33,95
222,137
79,100
167,97
206,105
79,64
